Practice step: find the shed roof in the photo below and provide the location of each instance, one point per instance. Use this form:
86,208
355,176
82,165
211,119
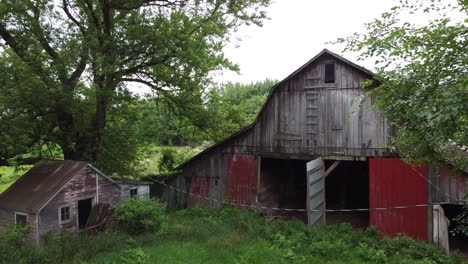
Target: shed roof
41,183
272,91
130,181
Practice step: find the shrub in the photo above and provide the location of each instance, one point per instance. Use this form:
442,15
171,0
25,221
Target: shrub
138,215
12,242
134,256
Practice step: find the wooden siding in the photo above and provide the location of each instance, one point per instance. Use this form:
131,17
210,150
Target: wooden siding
143,190
7,217
82,186
451,186
304,118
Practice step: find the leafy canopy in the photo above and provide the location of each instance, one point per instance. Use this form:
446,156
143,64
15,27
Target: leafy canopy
423,74
66,66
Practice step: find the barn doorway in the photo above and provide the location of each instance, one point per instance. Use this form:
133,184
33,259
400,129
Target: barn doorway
84,210
283,185
347,187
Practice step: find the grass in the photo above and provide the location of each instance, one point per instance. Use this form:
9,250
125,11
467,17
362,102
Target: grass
8,175
227,236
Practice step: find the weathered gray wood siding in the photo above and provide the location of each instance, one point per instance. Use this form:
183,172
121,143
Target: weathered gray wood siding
82,186
143,190
7,217
303,118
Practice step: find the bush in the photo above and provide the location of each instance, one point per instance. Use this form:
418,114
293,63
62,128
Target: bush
134,256
138,215
12,243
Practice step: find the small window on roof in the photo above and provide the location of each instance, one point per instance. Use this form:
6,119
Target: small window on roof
134,192
65,214
330,73
21,218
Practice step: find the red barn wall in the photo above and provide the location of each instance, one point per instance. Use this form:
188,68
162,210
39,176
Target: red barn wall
242,181
392,183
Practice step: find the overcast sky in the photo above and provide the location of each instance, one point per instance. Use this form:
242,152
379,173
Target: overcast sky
297,31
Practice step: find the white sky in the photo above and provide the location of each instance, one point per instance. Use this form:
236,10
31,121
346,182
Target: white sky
297,31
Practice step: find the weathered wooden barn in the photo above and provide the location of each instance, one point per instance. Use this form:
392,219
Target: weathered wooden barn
317,114
57,195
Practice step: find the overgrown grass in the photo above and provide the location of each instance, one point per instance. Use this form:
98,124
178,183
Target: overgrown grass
228,236
8,175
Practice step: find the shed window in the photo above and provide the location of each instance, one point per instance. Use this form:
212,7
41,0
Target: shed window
65,214
329,73
21,218
134,192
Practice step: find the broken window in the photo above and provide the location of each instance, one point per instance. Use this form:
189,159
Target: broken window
330,73
133,192
65,214
21,218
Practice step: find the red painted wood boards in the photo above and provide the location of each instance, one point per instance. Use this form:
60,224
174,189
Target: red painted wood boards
392,182
242,181
200,186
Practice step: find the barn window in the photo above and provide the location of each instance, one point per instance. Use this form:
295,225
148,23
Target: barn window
64,214
21,218
330,73
134,192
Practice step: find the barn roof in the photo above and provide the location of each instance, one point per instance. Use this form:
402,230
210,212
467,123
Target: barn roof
40,184
272,91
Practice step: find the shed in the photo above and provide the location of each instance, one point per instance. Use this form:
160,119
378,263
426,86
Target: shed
317,145
57,195
133,188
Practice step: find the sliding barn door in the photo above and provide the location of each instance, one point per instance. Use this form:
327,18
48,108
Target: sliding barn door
393,183
316,192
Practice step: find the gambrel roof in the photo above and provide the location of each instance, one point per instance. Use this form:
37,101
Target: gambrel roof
324,52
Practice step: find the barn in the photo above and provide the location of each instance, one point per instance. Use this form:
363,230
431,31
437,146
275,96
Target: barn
317,145
58,195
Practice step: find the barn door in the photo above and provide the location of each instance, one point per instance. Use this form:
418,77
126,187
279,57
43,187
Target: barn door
316,192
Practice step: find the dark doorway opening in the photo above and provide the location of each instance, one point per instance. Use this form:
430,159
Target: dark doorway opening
457,242
347,187
283,185
84,209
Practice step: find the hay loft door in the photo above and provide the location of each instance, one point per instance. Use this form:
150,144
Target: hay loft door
316,192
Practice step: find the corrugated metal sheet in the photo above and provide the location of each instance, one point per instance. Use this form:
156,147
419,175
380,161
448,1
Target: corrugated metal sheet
39,184
392,182
200,186
242,182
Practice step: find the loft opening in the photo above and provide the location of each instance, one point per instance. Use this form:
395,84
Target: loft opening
347,187
283,185
329,73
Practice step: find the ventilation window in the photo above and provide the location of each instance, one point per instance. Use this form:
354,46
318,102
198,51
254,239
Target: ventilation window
65,214
330,73
21,219
134,192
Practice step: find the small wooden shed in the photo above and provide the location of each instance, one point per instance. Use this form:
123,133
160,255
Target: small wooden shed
133,188
316,145
57,195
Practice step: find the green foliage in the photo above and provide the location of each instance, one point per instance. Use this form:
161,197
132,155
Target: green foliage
134,256
138,215
422,73
12,243
461,223
66,68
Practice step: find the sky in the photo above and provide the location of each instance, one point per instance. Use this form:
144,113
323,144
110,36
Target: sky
296,31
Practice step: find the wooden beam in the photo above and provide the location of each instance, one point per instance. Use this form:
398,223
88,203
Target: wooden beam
332,167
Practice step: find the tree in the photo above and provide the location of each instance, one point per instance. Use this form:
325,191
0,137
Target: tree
64,64
423,75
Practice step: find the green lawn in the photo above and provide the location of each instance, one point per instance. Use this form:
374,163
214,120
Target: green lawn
231,236
8,175
226,236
